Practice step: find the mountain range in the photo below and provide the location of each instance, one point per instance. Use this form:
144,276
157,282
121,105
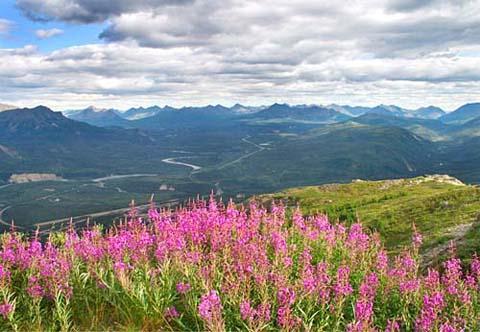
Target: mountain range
322,142
322,114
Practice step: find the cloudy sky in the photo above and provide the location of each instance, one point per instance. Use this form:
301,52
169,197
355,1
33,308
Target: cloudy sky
123,53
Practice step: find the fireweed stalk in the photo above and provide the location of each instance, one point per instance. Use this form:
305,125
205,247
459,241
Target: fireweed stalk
210,266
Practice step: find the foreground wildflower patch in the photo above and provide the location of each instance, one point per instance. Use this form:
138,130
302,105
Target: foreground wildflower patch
215,267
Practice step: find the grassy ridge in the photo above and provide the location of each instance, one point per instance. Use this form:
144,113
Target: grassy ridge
441,211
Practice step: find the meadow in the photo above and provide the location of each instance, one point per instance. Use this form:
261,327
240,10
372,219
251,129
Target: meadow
442,209
214,266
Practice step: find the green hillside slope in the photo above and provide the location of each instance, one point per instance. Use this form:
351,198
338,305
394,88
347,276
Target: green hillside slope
441,208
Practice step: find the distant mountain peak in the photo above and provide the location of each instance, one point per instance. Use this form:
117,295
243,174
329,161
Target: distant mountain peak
96,116
96,109
136,113
429,112
33,120
39,108
242,109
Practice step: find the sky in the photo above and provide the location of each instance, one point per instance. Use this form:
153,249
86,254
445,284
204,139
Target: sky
70,54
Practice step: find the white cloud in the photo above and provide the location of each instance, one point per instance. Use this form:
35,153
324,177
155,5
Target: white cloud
208,51
45,34
86,11
123,74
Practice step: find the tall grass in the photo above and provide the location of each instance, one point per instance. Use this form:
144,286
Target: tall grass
215,267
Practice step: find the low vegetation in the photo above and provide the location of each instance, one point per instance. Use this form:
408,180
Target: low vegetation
215,267
441,207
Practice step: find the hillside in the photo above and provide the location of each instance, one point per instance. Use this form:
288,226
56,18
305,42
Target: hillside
462,159
462,114
40,140
185,118
330,154
466,130
431,129
441,207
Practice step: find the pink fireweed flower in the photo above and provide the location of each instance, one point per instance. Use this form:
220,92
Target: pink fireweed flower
452,276
464,297
193,257
286,319
342,286
322,224
34,289
7,255
298,220
357,240
392,326
171,313
183,287
369,286
153,214
323,281
306,259
363,310
263,312
408,263
246,252
417,238
287,261
285,296
355,327
432,280
432,306
278,242
446,327
278,212
246,311
364,306
309,282
5,309
120,267
409,286
475,267
161,252
210,306
471,282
